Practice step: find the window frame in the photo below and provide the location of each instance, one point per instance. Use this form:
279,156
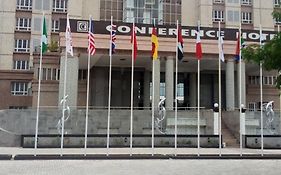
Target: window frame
60,6
24,4
218,15
246,17
19,45
19,88
21,65
26,24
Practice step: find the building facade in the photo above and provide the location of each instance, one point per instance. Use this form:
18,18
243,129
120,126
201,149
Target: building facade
20,33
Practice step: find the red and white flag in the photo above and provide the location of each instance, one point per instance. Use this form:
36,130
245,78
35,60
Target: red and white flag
91,37
198,45
134,42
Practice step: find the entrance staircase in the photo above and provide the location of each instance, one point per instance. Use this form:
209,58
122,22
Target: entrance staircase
228,138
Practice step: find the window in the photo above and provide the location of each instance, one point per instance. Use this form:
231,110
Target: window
162,90
246,2
233,1
252,106
149,2
24,4
59,5
55,25
277,21
21,65
277,3
246,17
21,45
82,74
233,16
19,88
218,1
218,15
17,107
180,95
49,74
23,24
267,80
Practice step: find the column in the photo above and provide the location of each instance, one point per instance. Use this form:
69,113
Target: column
146,89
100,87
229,83
243,83
156,82
71,80
215,88
193,89
169,83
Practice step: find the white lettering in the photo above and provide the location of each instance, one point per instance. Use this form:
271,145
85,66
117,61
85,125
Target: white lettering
172,31
141,30
162,31
150,30
185,32
108,28
211,33
254,36
271,36
124,29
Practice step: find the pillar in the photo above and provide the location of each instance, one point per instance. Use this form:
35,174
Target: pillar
169,83
156,82
229,83
193,90
146,89
243,83
71,80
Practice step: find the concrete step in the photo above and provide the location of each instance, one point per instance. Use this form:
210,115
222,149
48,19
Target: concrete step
228,137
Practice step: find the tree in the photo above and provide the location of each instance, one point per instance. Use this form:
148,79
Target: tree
269,54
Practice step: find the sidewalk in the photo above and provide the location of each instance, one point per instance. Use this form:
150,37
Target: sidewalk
135,151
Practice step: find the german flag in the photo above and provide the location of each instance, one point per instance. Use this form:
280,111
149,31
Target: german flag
154,40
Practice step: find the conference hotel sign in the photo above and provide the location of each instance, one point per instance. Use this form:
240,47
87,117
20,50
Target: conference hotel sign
103,27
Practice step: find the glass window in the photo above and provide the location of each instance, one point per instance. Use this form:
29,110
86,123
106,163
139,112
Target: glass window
21,45
218,1
246,17
23,24
218,15
24,4
55,25
19,88
276,3
21,65
246,2
60,5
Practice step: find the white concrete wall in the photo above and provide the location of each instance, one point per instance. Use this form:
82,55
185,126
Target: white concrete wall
7,28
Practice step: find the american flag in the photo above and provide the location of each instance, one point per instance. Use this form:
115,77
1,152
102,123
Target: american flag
91,37
113,38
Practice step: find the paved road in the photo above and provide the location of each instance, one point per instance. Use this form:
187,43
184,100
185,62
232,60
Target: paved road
141,167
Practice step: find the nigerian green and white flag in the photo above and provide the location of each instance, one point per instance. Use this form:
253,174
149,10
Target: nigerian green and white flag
44,39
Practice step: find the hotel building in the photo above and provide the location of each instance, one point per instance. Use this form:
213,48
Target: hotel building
20,33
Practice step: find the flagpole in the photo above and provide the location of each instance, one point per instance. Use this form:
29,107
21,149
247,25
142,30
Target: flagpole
64,98
278,30
132,90
88,89
39,90
176,90
153,101
198,99
240,87
220,137
109,87
261,93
